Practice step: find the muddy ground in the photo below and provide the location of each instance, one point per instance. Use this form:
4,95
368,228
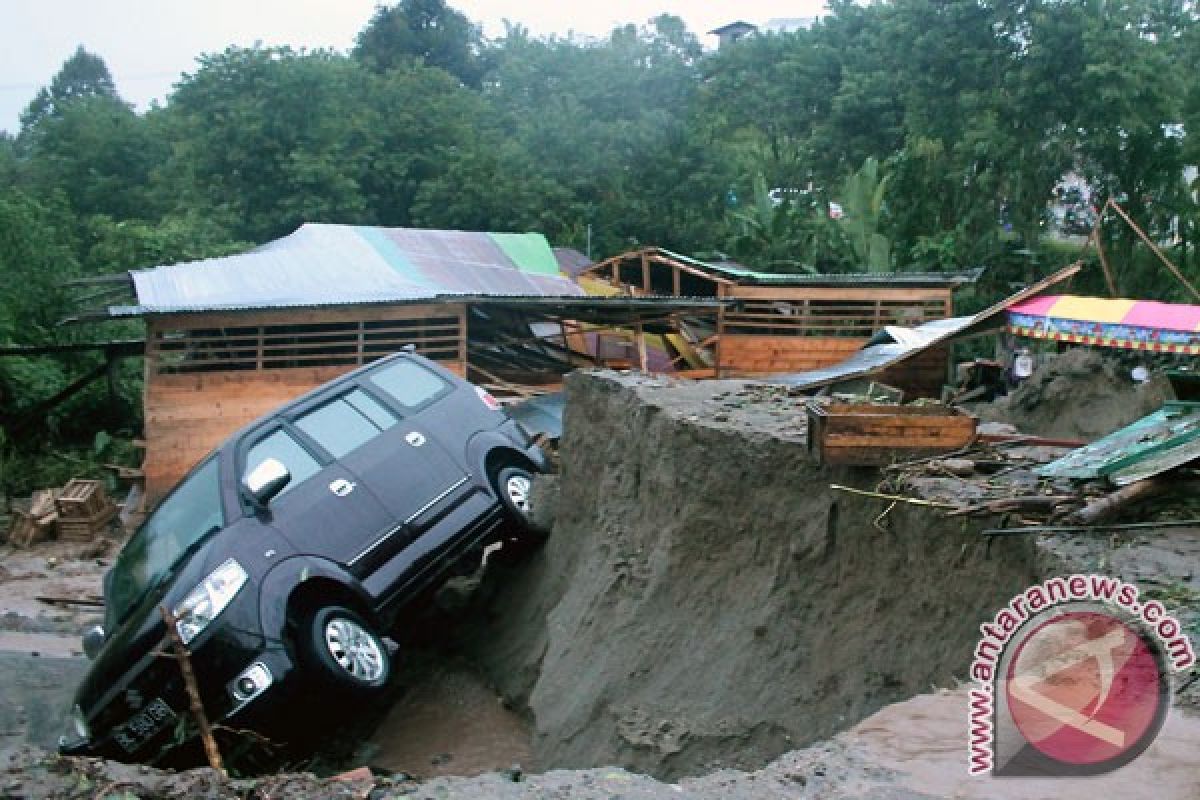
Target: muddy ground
705,608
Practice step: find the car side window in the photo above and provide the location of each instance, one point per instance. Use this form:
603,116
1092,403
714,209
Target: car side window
281,446
347,423
409,383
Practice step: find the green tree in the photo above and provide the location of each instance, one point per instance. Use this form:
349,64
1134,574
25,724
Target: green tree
425,31
82,75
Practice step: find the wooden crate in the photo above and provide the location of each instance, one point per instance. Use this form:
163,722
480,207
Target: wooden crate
82,499
865,434
85,529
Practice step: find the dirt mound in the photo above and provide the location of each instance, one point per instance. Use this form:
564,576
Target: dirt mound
706,601
1081,394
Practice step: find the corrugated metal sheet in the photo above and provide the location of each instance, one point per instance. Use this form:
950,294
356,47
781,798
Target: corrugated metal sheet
322,265
876,357
743,274
1164,440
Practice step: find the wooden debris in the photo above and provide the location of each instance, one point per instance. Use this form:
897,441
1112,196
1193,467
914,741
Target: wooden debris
1109,505
916,501
35,524
1006,505
864,434
84,510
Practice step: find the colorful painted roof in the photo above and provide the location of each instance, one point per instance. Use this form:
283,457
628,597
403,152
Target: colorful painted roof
322,265
1109,322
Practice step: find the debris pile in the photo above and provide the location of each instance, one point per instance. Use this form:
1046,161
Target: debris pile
1080,394
1028,483
77,512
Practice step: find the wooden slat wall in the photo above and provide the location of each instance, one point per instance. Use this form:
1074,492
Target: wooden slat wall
758,355
188,414
923,375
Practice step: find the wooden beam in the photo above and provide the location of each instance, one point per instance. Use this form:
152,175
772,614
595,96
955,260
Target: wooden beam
837,293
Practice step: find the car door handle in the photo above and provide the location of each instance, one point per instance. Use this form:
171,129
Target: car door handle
415,438
341,487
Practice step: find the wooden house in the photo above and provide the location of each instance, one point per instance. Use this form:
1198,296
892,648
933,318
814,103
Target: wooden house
228,339
787,323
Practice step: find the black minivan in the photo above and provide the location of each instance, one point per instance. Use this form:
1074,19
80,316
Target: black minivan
287,550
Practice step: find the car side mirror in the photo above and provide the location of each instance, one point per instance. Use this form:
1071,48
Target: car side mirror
263,483
93,640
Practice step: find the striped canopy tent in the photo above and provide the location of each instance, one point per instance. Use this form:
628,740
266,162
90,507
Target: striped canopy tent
1103,322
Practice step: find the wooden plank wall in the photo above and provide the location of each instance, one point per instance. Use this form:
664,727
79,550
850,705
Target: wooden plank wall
187,414
923,375
746,355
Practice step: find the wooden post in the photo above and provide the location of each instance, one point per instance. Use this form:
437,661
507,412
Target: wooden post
462,338
645,273
717,373
639,337
675,281
1154,248
193,691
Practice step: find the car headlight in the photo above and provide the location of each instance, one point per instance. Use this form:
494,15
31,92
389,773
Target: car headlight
206,602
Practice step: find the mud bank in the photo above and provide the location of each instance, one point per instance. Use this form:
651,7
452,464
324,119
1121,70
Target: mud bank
706,601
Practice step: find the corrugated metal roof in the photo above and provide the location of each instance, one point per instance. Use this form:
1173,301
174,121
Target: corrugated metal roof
743,274
323,265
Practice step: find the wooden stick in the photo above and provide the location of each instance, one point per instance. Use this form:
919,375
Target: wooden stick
892,497
1037,502
1109,277
193,692
1153,247
1101,528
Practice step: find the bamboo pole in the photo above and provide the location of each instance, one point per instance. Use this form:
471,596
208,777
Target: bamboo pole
1154,248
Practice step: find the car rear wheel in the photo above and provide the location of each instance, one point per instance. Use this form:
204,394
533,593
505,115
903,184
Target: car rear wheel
513,486
345,651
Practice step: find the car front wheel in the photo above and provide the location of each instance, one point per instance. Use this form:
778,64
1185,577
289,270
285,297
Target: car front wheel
345,651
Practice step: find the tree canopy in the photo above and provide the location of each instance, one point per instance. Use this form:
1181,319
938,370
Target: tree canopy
939,128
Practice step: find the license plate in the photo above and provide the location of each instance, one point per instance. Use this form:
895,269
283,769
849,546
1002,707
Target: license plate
149,721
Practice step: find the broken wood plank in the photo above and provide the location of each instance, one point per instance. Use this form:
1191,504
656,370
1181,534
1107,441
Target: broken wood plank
91,602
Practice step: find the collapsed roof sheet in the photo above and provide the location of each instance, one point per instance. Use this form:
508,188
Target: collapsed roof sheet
321,265
876,357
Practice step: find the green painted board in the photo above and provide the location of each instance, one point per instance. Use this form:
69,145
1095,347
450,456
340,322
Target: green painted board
1168,438
529,251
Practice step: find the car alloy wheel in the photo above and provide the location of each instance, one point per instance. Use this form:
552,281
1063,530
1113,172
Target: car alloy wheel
517,486
355,649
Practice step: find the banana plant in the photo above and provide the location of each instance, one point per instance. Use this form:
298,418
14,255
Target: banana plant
862,200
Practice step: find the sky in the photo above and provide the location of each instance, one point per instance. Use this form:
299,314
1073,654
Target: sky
149,44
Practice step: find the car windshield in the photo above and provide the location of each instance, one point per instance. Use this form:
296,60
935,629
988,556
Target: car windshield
173,531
